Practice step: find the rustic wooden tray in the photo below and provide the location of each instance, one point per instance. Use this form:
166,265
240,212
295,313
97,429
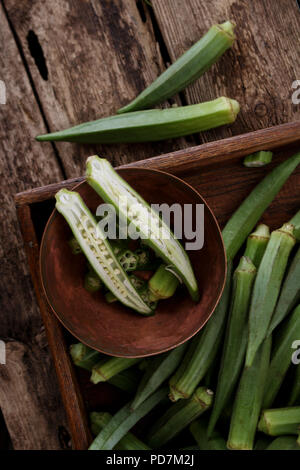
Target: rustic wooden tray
216,171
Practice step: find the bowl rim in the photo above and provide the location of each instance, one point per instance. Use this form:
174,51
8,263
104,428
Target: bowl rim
55,213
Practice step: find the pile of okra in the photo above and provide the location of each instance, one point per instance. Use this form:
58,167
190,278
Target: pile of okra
235,384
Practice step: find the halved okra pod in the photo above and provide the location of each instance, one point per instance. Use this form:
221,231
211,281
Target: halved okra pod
235,343
267,287
284,443
289,295
258,159
105,369
281,358
248,401
152,229
280,421
98,251
190,66
199,432
257,244
179,416
129,442
124,420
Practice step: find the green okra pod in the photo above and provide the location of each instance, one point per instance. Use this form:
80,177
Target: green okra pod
124,420
131,207
105,370
199,432
281,358
98,250
202,350
258,159
257,244
158,371
248,401
128,260
84,357
235,343
162,284
190,66
280,421
296,222
151,125
267,287
178,416
249,212
294,398
284,443
289,295
129,442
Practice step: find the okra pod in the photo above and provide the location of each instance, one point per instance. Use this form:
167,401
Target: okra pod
199,432
267,287
128,260
296,222
74,245
248,401
190,66
281,358
92,282
124,420
202,350
151,228
151,125
294,398
179,416
83,356
110,297
257,244
97,249
235,343
284,443
103,371
249,212
280,421
162,284
258,159
262,443
127,380
289,295
129,442
158,371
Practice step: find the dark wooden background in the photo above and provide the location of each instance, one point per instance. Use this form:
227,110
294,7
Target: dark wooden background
67,61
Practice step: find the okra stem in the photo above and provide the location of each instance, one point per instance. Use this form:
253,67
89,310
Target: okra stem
281,358
103,371
235,343
162,284
257,244
248,401
199,432
258,159
83,356
190,66
178,416
129,442
267,287
280,421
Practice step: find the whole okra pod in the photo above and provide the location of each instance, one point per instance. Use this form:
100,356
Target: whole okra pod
294,398
267,287
257,244
281,358
129,442
199,432
178,416
280,421
105,370
284,443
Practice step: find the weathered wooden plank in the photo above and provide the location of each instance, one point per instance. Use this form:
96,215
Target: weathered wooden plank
260,68
99,55
23,164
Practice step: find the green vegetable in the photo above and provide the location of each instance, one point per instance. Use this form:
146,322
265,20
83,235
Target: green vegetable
124,420
110,297
202,350
281,357
92,282
151,228
249,212
267,287
178,416
296,222
74,245
162,284
129,442
97,249
128,260
104,370
290,293
151,125
190,66
284,443
262,443
138,284
126,380
257,244
158,371
294,398
235,343
280,421
258,159
83,356
199,432
248,401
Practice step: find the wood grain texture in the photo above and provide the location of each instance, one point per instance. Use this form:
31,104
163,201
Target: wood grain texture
23,164
260,68
96,61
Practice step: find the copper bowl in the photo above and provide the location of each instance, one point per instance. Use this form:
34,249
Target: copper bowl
112,328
